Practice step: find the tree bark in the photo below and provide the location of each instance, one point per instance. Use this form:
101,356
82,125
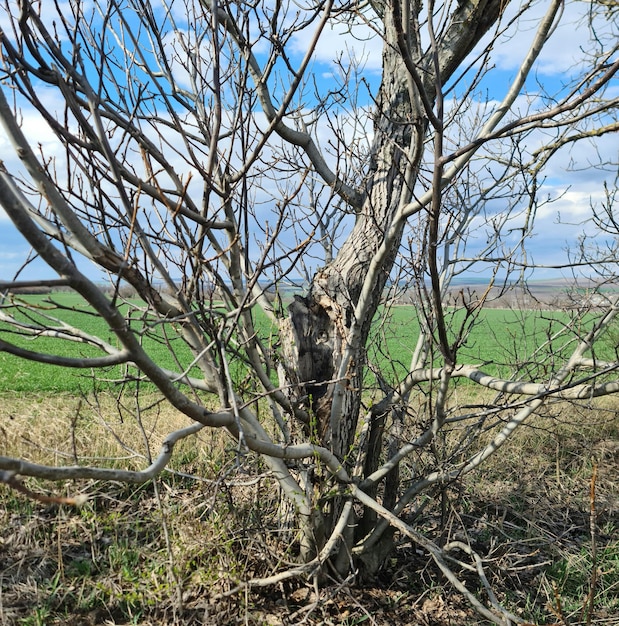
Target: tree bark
320,324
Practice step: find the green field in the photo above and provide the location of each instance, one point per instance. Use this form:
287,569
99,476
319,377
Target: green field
20,375
498,339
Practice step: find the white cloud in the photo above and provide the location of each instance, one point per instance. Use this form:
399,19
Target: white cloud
38,133
564,50
571,181
34,126
361,42
48,12
345,44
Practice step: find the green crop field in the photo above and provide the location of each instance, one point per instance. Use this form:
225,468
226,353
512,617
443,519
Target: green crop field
499,340
21,375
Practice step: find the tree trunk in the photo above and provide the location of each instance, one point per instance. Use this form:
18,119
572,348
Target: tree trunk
320,323
325,359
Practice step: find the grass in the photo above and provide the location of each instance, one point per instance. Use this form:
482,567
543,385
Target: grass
500,340
161,553
571,576
168,552
19,375
539,496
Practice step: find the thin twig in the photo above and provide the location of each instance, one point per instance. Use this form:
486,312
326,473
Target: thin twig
590,601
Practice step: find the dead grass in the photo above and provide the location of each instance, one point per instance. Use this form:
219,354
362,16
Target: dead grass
165,553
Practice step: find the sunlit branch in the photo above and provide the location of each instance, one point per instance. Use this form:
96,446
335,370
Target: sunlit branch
438,555
46,472
62,361
276,116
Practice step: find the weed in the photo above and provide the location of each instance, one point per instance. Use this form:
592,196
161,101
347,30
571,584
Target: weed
527,514
39,617
498,335
572,576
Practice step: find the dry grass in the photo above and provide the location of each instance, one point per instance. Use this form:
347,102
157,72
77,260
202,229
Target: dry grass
162,553
63,429
531,509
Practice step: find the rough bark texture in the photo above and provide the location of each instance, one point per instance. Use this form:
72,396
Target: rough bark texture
314,338
319,323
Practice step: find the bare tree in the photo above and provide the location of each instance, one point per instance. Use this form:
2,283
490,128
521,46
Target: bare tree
205,165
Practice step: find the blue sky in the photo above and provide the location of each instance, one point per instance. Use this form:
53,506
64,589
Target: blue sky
570,181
